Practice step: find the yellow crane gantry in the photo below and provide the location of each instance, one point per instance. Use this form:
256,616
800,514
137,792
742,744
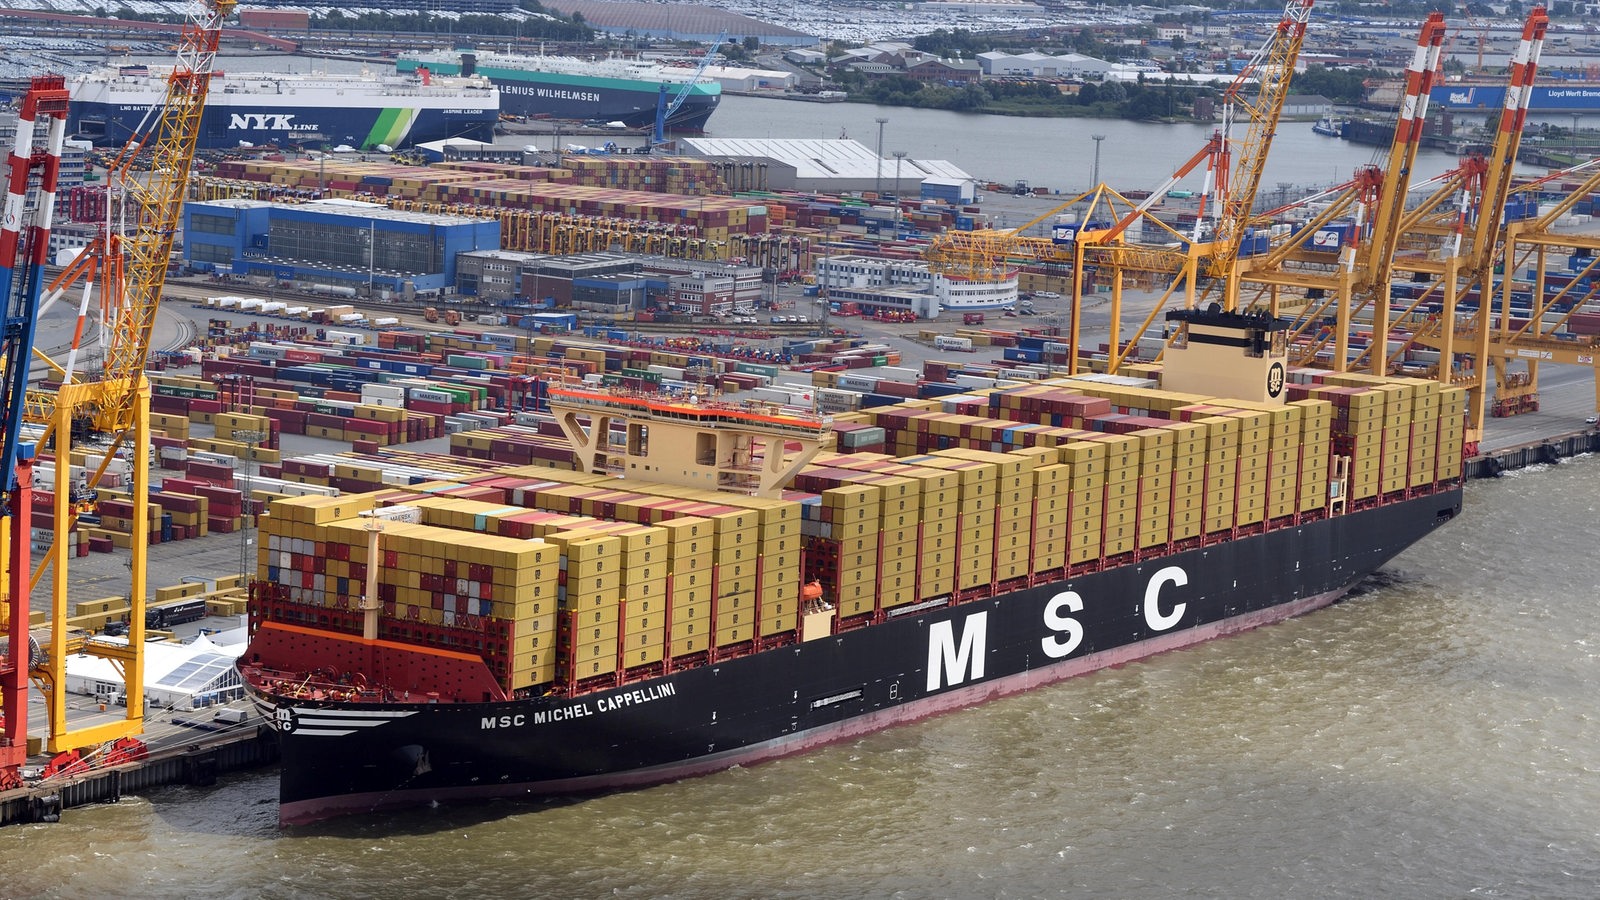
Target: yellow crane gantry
1561,322
1258,93
116,402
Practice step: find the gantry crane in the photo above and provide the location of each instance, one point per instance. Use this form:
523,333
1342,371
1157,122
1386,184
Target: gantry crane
153,171
23,250
1351,281
1258,93
1564,303
1474,247
1262,98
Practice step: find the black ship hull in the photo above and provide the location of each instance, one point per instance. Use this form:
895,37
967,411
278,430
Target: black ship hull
348,758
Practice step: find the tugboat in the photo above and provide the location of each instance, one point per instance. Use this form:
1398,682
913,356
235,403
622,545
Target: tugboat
1330,126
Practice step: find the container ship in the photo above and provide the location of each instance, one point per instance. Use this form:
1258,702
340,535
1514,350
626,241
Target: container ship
268,109
712,584
565,87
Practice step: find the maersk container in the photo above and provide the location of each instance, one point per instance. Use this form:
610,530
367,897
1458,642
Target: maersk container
833,400
429,395
856,382
262,350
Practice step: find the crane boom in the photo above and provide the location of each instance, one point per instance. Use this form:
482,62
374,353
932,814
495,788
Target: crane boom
159,205
666,109
1268,72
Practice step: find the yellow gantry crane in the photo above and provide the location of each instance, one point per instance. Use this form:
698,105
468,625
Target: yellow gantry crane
153,171
1562,325
1236,165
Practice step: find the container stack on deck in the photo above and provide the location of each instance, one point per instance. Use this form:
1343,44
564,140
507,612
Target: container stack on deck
571,580
673,574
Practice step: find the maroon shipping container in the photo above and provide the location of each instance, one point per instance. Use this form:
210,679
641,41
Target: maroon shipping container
209,473
172,406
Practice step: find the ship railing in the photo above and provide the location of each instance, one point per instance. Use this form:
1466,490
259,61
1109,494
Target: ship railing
701,410
307,685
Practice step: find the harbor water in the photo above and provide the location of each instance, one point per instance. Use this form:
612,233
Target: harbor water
1057,154
1433,736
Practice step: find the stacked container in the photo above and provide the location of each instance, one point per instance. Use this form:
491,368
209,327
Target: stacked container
560,578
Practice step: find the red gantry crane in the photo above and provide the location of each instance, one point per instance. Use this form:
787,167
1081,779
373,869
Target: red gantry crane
24,242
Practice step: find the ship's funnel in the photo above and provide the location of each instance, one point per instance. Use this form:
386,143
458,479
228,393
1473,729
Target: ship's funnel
469,64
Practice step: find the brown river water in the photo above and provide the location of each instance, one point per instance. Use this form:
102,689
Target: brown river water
1435,735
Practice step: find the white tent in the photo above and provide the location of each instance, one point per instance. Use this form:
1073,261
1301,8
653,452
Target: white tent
177,676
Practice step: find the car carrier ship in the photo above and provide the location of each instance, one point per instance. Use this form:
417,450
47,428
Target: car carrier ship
713,586
272,109
566,87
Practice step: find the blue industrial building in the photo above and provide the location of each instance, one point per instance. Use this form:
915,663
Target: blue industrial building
337,247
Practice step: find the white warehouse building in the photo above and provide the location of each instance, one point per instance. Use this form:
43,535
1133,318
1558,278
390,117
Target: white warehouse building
996,64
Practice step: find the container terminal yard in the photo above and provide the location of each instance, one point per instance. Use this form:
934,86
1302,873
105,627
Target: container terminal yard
195,482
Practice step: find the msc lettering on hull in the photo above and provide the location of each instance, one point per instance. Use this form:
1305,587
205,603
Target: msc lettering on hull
952,661
603,704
